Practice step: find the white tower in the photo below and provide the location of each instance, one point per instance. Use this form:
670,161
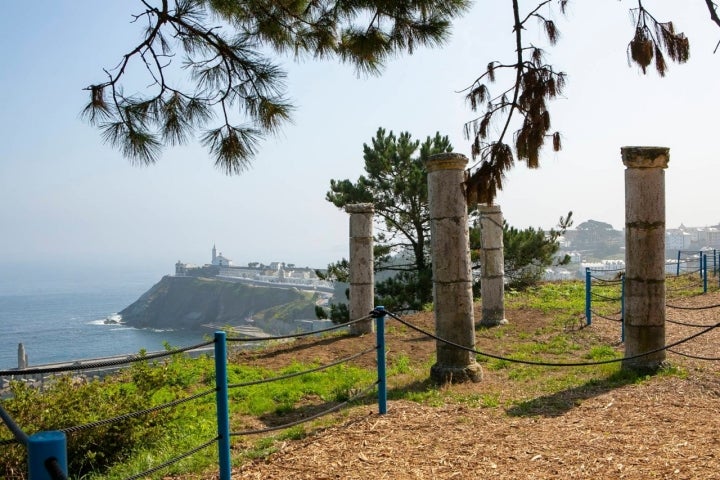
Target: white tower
214,254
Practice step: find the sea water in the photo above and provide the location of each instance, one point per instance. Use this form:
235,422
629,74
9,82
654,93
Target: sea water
66,322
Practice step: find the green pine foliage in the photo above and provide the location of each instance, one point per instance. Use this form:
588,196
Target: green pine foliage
233,93
395,182
527,252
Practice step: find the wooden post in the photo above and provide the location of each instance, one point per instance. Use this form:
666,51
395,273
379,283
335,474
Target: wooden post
452,281
644,255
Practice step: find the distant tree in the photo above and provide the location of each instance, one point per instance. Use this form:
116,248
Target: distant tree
227,47
596,239
528,252
396,184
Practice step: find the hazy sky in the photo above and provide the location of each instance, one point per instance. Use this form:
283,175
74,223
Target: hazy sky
65,197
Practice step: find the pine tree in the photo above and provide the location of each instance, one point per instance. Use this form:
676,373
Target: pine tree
396,183
235,93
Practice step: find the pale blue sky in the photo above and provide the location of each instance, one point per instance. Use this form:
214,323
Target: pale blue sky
66,197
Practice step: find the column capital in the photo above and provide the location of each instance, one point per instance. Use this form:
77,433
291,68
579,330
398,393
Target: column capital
360,208
489,209
446,161
645,157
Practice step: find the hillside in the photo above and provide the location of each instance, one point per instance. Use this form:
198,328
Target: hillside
188,303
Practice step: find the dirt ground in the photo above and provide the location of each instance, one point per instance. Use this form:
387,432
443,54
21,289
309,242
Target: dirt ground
665,427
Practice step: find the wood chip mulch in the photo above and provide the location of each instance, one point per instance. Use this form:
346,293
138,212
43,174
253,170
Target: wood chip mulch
666,427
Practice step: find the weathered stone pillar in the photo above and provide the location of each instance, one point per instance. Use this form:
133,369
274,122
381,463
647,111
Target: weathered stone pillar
452,281
492,279
22,356
362,277
644,255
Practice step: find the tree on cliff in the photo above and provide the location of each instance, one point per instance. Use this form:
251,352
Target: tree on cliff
396,184
225,46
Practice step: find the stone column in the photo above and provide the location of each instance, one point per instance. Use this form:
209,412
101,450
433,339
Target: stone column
362,277
452,281
644,255
22,357
492,280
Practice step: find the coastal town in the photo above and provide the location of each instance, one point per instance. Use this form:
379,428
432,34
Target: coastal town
276,274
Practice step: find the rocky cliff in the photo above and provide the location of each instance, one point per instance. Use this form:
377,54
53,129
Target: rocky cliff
183,303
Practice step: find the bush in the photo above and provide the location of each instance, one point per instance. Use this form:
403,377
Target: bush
71,401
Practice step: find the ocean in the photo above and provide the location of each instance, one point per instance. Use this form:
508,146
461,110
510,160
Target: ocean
65,322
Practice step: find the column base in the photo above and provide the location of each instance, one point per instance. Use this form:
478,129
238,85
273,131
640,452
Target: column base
443,374
493,322
645,367
362,328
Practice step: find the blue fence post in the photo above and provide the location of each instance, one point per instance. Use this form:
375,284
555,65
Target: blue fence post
42,447
221,400
703,259
382,376
622,308
677,273
588,319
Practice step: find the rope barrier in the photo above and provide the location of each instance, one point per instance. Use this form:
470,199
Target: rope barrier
696,357
304,372
296,335
173,460
310,418
609,299
608,318
54,470
103,363
705,307
606,281
685,324
606,269
549,364
138,413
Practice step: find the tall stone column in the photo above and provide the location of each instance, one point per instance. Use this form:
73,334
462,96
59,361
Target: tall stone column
492,279
362,276
22,357
644,255
452,281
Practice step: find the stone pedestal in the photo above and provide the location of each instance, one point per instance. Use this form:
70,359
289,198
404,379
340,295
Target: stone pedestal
492,279
644,255
452,281
362,277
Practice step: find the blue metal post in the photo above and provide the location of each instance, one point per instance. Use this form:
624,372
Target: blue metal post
42,447
703,259
622,308
223,413
677,273
382,376
588,318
